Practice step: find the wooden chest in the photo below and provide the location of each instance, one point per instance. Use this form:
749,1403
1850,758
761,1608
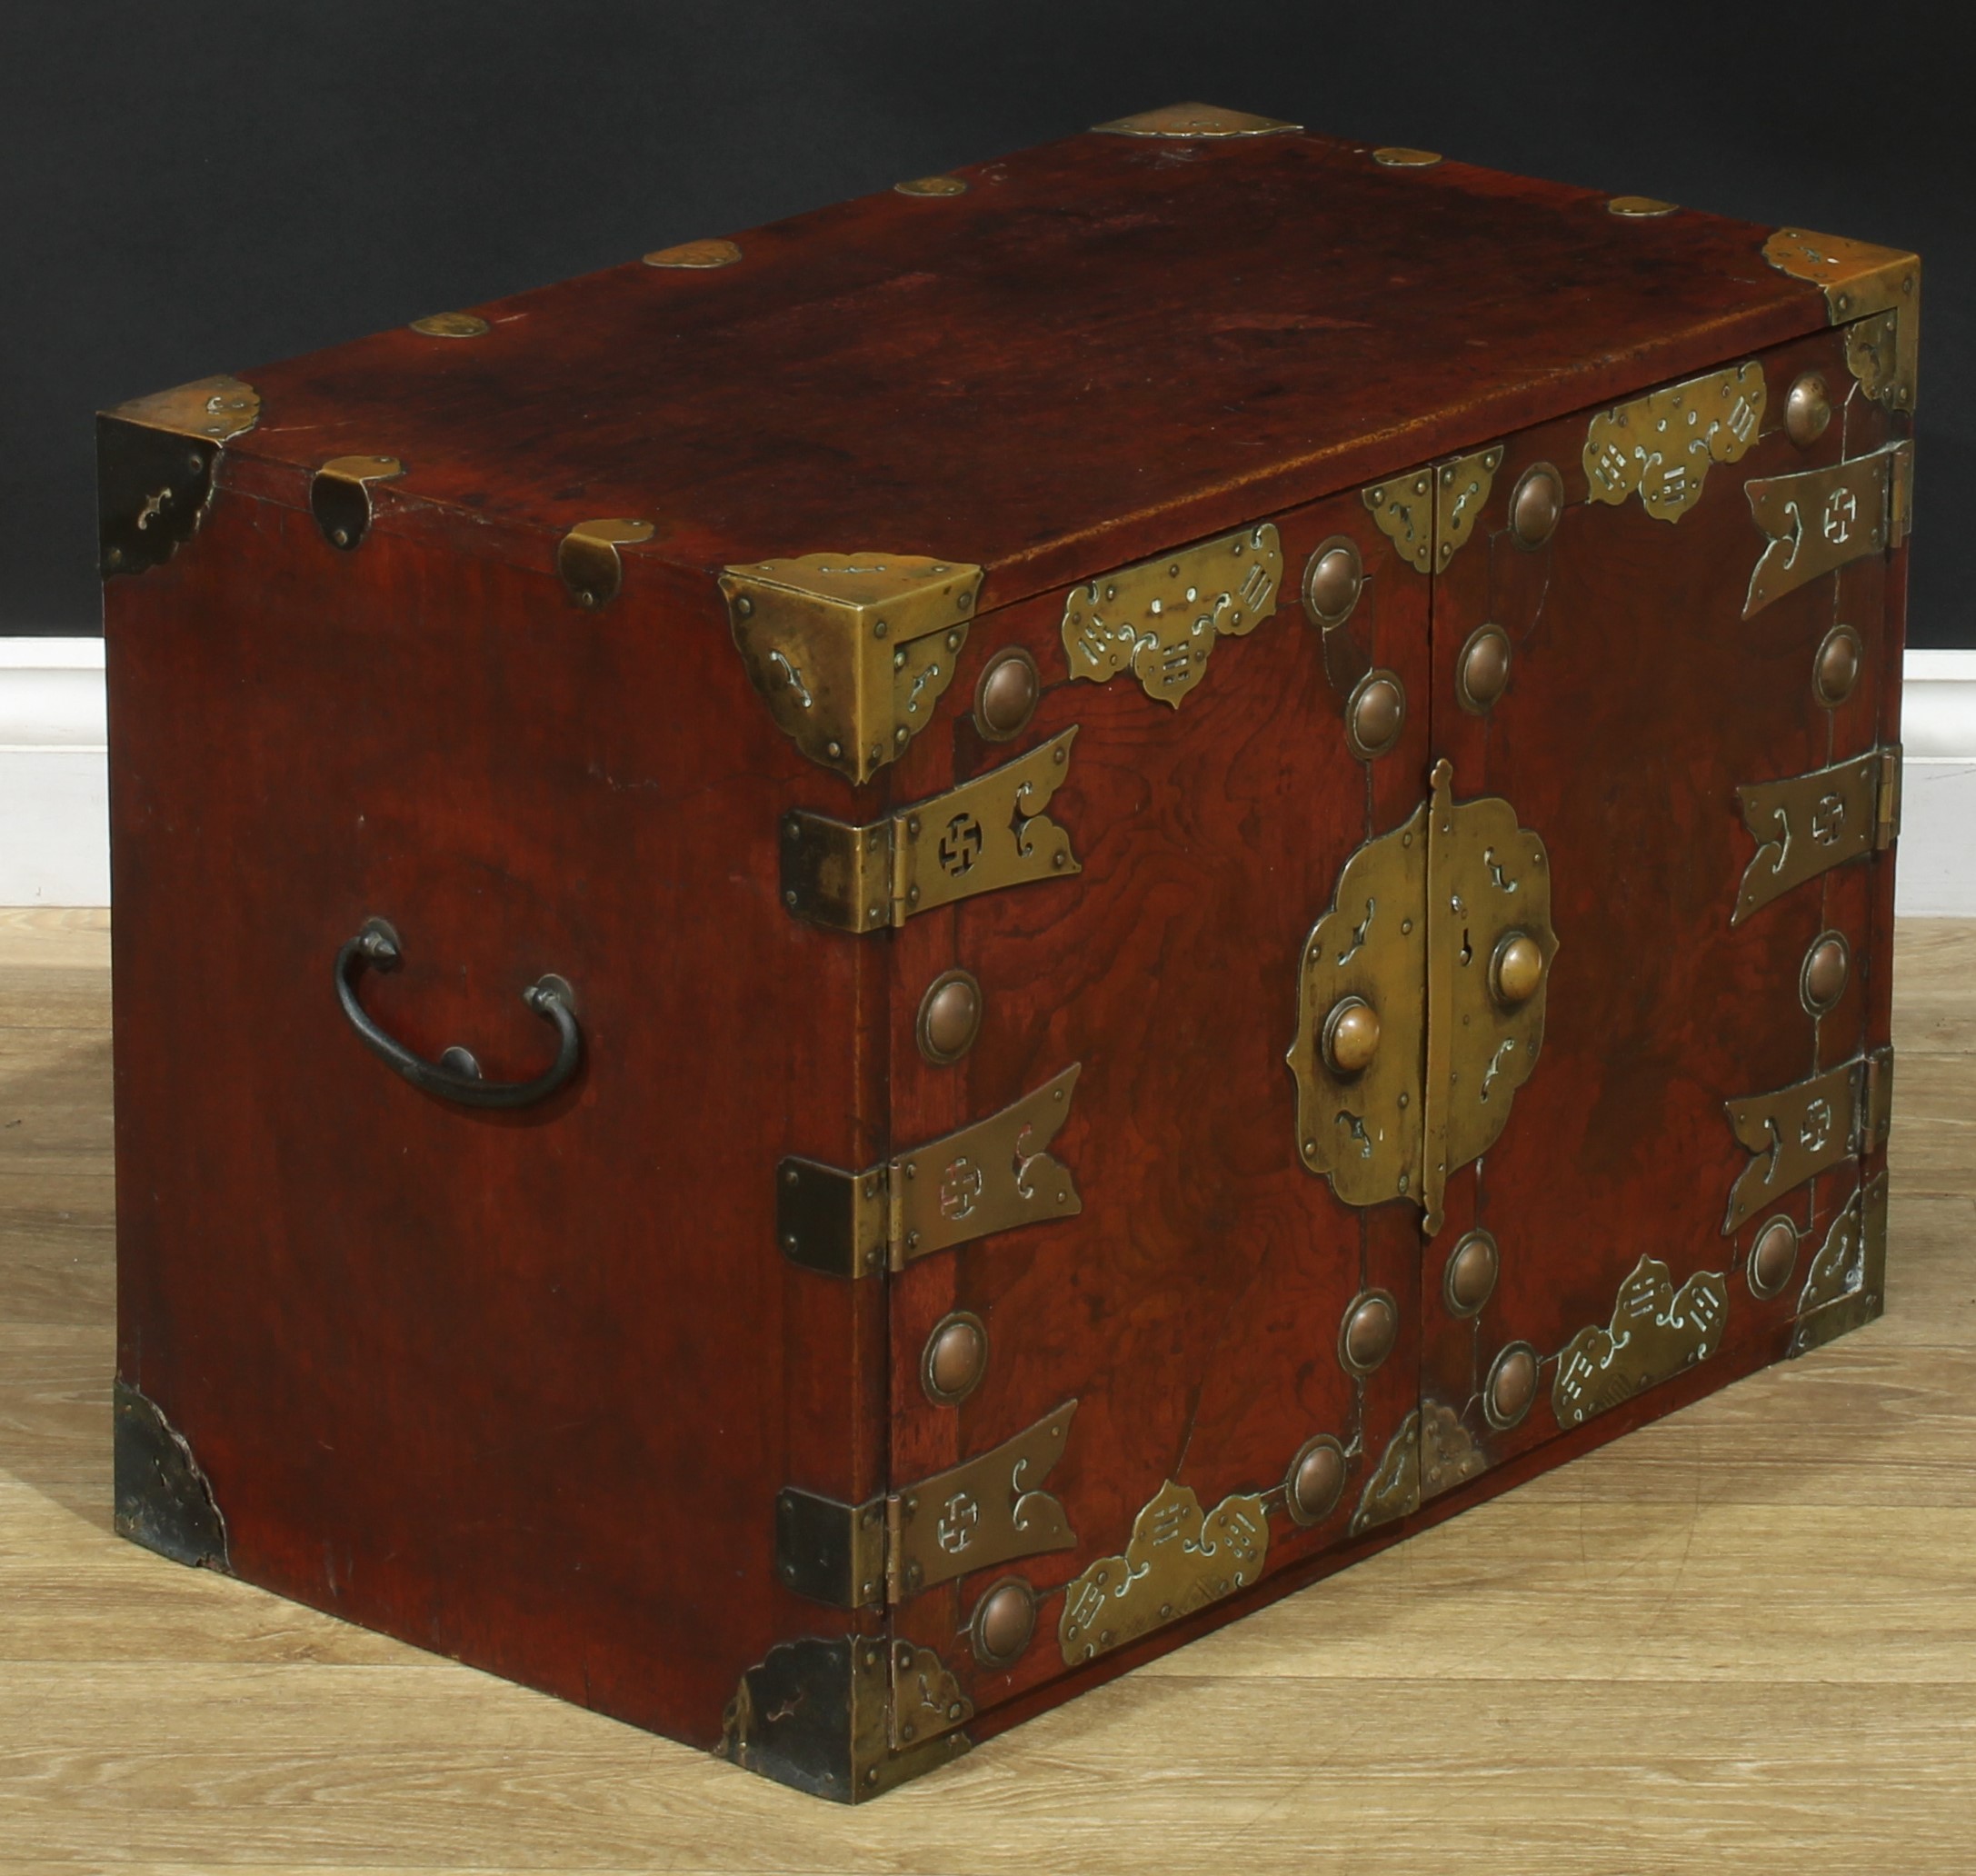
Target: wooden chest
1091,885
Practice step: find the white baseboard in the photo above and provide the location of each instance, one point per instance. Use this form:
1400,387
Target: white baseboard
55,843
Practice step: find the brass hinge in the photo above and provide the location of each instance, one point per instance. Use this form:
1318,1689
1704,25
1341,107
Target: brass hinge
1807,824
1821,519
992,1176
1794,1133
986,834
850,651
985,1511
1457,897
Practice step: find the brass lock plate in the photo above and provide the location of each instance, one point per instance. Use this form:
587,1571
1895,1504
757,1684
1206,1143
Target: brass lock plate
1421,1001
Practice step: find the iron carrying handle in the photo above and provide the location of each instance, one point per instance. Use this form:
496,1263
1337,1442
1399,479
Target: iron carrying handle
455,1077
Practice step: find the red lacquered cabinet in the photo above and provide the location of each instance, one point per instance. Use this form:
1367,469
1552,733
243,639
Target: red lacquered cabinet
859,972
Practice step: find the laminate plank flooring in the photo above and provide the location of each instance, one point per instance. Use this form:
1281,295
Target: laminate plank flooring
1741,1639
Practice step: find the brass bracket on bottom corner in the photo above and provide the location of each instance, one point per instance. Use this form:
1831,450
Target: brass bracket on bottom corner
1846,1284
1444,921
1794,1133
986,1511
164,1501
846,1717
977,838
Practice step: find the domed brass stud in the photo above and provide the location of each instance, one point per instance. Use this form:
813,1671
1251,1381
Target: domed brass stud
1316,1480
1836,667
1481,673
1807,409
1369,1329
1333,578
1470,1279
1350,1036
1004,1620
1536,505
950,1017
1828,966
1511,1385
955,1359
1516,970
1772,1257
1006,697
1374,712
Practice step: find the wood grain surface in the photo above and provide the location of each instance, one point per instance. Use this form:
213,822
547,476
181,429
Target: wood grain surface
1743,1638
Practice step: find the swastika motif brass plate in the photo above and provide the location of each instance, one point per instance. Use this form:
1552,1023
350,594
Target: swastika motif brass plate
1806,824
1819,519
1794,1134
1180,1559
1160,620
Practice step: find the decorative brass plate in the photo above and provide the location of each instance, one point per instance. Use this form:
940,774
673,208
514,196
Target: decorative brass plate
1362,1131
588,561
1861,280
1394,1489
1819,519
1804,825
1661,446
1847,1281
1196,121
451,326
1443,900
926,1698
1178,1561
1654,1333
994,1175
1162,617
852,652
1429,514
985,1511
983,835
695,253
1795,1133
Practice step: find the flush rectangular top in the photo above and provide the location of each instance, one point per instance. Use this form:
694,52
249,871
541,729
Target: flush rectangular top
1042,364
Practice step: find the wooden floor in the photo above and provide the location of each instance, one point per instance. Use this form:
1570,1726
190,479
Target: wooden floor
1741,1640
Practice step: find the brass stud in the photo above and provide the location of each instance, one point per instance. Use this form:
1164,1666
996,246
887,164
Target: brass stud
1369,1329
1828,968
1836,667
1350,1036
950,1017
1398,157
1333,579
1536,505
1374,715
451,326
1006,697
1470,1279
1807,409
1516,970
1481,673
1511,1385
1316,1480
695,253
1772,1257
955,1359
1640,207
1003,1622
932,185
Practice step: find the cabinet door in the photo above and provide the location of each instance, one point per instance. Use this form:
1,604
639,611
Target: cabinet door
1187,1328
1683,1188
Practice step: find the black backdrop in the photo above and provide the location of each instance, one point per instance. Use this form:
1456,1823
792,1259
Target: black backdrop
204,185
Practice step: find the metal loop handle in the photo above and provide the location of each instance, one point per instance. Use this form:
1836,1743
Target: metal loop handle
456,1076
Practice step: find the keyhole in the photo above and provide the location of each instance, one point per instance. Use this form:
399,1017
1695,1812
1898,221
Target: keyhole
1468,949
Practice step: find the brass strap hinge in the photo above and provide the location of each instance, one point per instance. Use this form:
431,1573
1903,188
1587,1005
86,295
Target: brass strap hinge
983,1512
986,834
1821,519
1794,1133
1807,824
993,1175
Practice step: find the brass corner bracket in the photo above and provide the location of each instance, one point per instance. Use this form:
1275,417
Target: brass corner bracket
850,651
340,496
1430,514
155,457
1874,292
588,560
1195,120
164,1501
